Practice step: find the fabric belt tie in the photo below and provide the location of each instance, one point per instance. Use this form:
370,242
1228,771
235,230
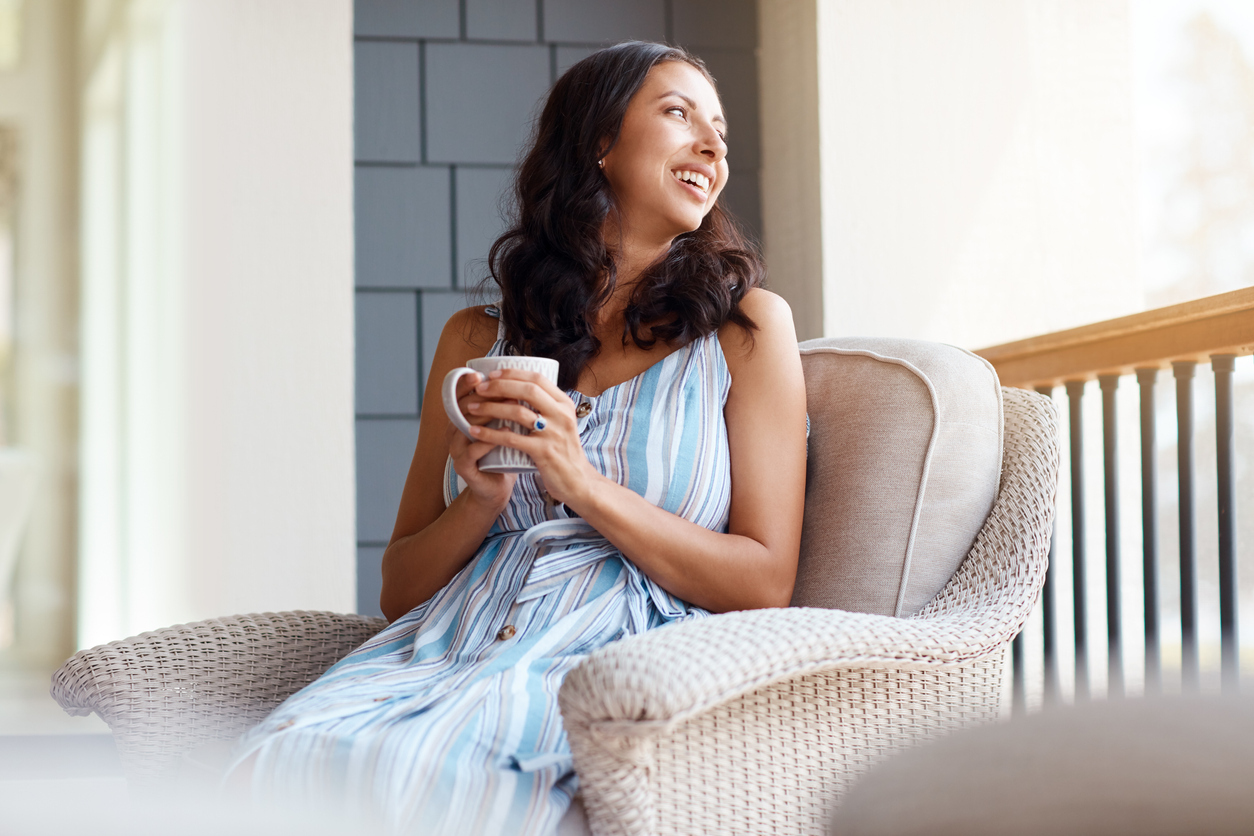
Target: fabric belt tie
563,532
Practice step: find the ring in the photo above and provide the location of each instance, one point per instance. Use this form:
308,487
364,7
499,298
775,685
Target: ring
538,424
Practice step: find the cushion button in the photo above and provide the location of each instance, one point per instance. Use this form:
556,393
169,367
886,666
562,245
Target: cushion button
507,632
583,409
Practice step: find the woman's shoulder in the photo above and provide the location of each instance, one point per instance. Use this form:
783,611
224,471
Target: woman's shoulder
471,331
773,318
765,357
759,302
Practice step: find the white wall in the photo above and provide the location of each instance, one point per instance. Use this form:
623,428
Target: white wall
218,435
975,166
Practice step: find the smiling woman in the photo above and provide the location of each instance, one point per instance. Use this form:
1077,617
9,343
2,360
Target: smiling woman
669,456
652,119
670,161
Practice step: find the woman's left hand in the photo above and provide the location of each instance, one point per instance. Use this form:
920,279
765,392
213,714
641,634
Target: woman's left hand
521,397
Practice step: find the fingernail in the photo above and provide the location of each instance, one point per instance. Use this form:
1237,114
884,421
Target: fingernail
473,406
476,430
481,386
495,373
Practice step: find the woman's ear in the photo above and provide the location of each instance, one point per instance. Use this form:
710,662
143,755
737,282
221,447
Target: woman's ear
605,146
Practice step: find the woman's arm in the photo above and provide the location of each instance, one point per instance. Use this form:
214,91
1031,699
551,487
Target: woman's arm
755,563
430,544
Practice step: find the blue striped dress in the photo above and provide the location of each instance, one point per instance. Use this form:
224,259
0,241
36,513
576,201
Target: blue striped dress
447,721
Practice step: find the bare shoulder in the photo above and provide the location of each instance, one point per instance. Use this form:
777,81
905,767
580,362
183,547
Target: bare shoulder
775,332
468,333
760,302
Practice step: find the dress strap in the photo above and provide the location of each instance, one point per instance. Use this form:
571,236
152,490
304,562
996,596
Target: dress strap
495,312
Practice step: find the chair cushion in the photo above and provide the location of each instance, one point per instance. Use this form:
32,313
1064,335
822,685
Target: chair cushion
1140,766
904,465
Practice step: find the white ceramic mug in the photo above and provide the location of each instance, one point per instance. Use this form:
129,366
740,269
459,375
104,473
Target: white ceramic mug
499,459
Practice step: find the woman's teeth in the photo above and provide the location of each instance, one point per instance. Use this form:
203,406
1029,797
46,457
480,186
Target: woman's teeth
699,180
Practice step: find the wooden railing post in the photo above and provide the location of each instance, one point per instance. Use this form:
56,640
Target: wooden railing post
1189,670
1114,614
1149,530
1075,391
1049,623
1222,364
1018,672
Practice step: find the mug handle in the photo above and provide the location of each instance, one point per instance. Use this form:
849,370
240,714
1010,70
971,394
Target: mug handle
449,392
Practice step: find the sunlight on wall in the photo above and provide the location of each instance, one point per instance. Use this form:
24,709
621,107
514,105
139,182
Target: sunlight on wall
995,170
978,170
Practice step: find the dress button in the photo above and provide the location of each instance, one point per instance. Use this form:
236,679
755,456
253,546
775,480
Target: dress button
583,409
507,632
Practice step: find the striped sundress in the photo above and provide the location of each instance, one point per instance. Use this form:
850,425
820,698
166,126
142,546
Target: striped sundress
447,721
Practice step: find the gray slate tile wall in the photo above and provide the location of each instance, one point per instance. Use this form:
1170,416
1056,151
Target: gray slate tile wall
446,91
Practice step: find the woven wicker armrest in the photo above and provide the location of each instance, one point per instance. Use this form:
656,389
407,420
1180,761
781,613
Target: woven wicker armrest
165,692
661,678
755,722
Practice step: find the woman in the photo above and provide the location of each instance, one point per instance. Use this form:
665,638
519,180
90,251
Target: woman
672,447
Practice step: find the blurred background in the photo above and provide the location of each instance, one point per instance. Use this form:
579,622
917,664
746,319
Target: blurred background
231,230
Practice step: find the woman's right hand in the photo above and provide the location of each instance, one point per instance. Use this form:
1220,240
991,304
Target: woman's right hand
491,489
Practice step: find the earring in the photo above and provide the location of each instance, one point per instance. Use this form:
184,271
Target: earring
601,163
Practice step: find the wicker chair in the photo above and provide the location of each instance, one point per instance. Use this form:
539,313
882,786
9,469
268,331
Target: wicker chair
756,722
751,722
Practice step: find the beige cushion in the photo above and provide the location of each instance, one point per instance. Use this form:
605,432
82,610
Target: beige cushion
1144,766
904,463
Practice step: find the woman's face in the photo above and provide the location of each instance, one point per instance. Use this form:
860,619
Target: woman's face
670,162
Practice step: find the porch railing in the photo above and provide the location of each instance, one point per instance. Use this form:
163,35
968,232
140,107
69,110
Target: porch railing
1214,330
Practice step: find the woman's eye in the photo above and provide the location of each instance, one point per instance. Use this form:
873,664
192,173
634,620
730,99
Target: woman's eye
677,109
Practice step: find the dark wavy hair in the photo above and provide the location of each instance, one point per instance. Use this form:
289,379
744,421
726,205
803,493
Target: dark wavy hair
553,267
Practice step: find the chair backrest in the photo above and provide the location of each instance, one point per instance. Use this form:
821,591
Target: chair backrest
904,464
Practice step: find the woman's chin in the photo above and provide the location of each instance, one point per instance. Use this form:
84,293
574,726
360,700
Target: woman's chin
689,222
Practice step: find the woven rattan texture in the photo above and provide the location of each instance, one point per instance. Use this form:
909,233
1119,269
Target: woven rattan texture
755,722
168,691
833,726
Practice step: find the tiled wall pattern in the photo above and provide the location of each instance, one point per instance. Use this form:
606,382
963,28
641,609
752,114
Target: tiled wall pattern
445,94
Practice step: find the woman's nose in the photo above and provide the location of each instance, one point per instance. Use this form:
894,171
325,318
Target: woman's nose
713,146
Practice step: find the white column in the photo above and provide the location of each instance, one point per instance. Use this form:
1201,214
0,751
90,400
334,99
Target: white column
221,427
789,93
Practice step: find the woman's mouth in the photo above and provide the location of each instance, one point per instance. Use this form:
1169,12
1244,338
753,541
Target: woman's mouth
694,180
